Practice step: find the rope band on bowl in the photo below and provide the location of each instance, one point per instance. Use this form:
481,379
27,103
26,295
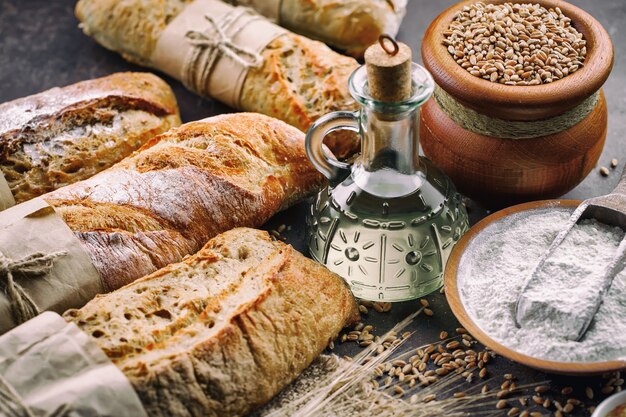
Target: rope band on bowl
482,124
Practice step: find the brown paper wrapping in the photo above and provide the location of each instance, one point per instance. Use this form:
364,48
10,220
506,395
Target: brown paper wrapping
51,365
6,197
227,77
32,227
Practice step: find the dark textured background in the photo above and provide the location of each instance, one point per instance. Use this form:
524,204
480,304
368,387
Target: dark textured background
42,47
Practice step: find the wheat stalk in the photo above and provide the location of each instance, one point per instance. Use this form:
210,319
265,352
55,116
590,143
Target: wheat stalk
347,389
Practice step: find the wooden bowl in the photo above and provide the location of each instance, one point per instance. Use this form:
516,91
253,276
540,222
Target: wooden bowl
521,102
456,304
498,171
609,404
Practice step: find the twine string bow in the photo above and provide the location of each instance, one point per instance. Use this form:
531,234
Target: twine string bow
23,307
213,43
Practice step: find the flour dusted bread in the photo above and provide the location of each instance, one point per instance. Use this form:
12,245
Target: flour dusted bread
181,189
350,25
225,330
64,135
299,80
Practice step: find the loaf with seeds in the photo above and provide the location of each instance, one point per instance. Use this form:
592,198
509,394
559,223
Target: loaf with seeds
350,25
181,189
64,135
298,81
222,332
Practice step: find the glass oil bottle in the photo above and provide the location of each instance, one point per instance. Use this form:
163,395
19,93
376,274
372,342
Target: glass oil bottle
388,221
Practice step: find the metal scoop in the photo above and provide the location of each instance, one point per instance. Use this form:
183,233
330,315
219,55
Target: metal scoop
563,314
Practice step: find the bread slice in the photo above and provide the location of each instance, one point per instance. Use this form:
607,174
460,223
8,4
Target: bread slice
64,135
222,332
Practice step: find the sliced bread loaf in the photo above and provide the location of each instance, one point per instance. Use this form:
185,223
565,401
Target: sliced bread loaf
222,332
183,188
65,135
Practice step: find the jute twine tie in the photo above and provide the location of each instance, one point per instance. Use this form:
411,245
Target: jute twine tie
210,45
482,124
22,305
12,404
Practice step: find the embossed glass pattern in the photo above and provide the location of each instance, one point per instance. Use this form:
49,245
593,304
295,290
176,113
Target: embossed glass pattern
388,222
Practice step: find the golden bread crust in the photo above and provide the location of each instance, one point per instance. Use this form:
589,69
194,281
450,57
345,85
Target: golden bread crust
222,332
183,188
64,135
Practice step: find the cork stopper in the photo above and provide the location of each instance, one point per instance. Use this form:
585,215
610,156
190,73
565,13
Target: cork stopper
389,70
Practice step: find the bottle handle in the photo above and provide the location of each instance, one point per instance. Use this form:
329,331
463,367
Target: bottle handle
320,157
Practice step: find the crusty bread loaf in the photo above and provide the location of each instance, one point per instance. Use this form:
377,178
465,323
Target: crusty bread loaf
183,188
350,25
64,135
299,81
222,332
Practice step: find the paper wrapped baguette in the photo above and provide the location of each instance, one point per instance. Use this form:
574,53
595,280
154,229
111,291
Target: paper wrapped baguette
181,189
349,25
222,332
64,135
298,80
49,368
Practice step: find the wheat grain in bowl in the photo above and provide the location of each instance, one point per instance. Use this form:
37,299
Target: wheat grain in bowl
515,43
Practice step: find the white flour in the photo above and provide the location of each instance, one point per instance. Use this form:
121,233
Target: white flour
563,294
498,262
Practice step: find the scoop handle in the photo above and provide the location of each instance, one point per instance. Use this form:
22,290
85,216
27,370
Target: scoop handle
620,188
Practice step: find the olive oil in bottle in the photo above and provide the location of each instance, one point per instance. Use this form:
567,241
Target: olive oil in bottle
388,221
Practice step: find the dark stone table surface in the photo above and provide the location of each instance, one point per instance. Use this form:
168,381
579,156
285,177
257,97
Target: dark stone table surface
41,47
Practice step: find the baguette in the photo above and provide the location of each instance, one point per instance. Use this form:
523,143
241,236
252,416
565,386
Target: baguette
349,25
181,189
299,80
222,332
64,135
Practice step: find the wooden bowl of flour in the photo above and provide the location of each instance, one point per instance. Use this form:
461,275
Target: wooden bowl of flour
455,280
498,170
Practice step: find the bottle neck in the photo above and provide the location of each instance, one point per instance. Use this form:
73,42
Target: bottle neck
390,141
389,158
389,165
